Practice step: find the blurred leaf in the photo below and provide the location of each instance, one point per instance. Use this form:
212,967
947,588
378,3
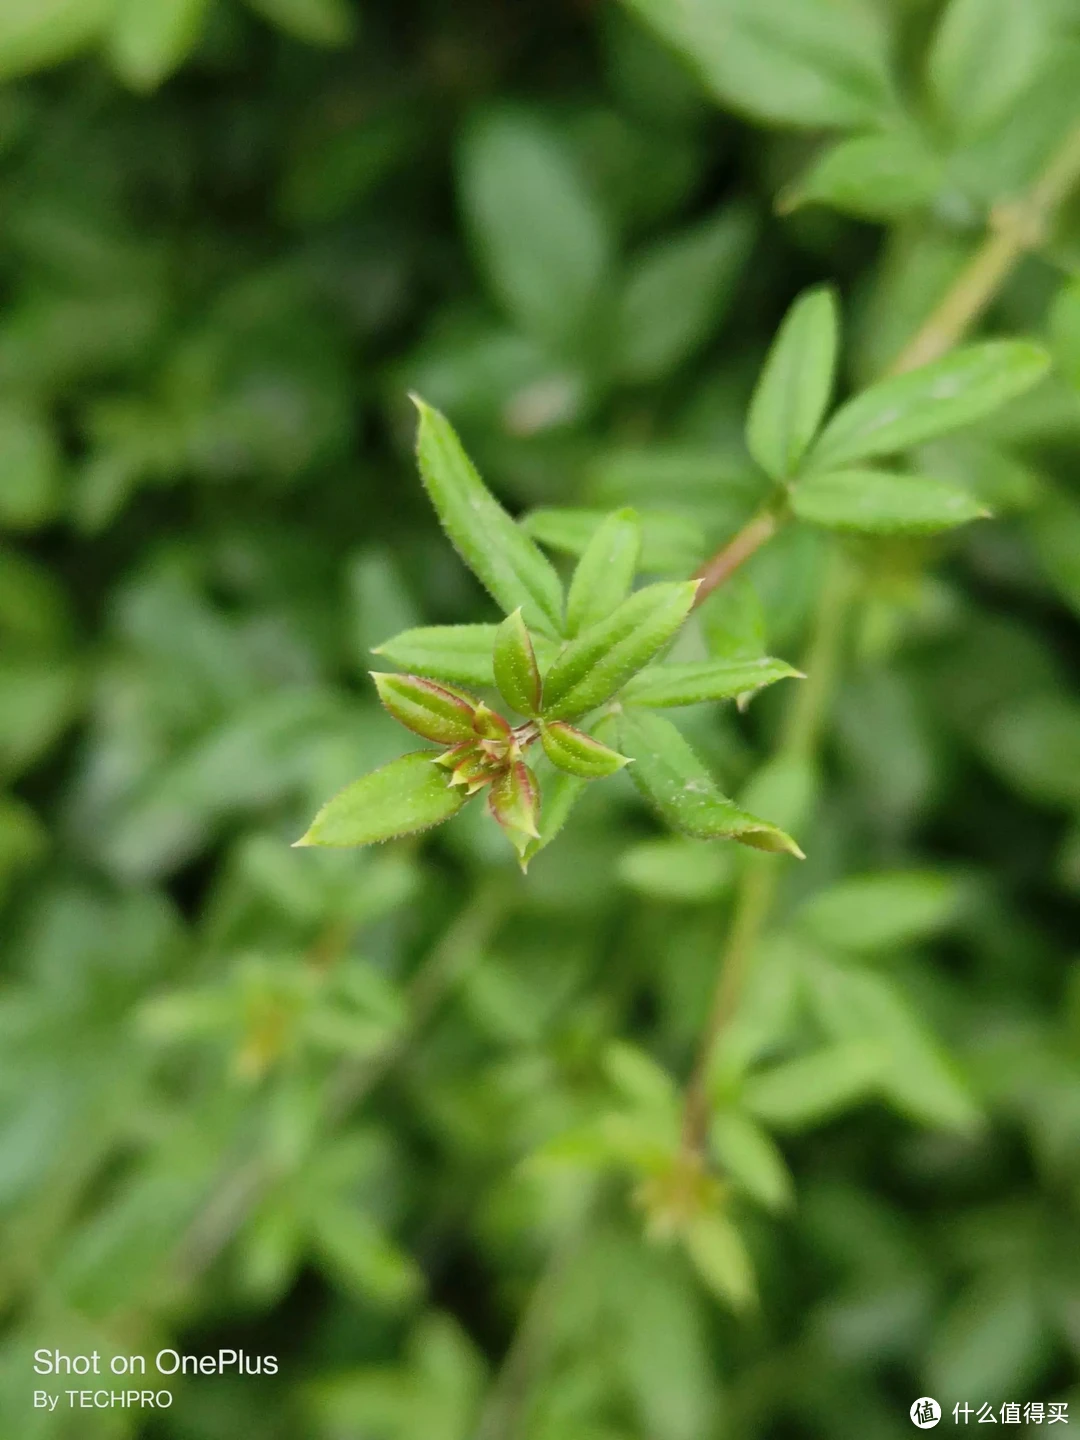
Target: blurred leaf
814,1087
42,32
882,911
319,22
499,552
673,780
149,39
403,797
538,231
753,1161
30,464
907,409
37,703
357,1254
876,177
598,662
676,869
793,390
991,1342
1035,744
796,62
23,840
676,294
877,503
721,1259
984,55
1054,527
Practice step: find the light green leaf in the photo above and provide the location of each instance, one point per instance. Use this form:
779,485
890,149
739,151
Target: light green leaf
355,1252
514,663
539,233
674,868
577,753
815,1087
34,33
882,911
721,1259
697,681
752,1158
561,793
795,384
497,551
876,177
859,1006
37,702
639,1079
819,63
1054,528
426,708
1035,744
1065,332
459,653
599,661
30,468
408,795
669,541
734,621
676,294
785,787
23,839
876,503
907,409
984,55
319,22
605,572
149,39
673,780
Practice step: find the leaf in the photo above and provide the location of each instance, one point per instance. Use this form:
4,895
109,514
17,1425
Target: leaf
669,541
1035,744
359,1256
752,1158
149,39
984,55
883,911
30,467
858,1006
876,503
599,661
38,699
408,795
497,551
907,409
560,796
514,803
721,1259
577,753
795,384
34,33
427,709
876,177
676,294
1054,528
676,869
818,63
538,232
605,572
461,653
814,1087
698,681
517,674
673,780
319,22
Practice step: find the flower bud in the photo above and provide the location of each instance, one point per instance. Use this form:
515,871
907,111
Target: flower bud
433,711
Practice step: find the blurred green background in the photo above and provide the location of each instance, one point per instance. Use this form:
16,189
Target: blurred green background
309,1104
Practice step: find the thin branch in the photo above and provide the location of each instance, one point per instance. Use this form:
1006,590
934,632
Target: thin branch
715,572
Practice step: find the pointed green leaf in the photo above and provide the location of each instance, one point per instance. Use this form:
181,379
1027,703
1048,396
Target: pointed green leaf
795,384
318,22
596,664
561,794
875,503
149,41
673,780
752,1158
984,55
577,753
514,802
497,550
907,409
605,571
883,910
427,709
721,1259
692,683
408,795
459,653
514,662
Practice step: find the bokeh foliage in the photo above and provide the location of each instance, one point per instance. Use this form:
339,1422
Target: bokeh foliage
373,1111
